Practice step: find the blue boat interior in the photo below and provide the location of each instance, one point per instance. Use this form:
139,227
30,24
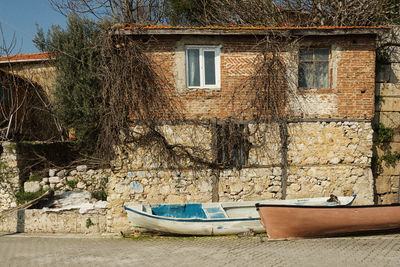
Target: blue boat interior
180,211
189,211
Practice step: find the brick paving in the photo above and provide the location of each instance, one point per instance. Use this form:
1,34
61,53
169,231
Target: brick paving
77,250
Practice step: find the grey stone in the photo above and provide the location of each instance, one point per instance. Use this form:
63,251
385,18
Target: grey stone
71,178
45,180
73,173
80,185
274,189
61,173
52,172
81,168
32,187
54,180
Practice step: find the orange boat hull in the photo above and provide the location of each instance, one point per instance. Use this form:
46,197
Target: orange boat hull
292,222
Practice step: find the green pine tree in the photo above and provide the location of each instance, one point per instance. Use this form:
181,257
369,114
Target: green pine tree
77,95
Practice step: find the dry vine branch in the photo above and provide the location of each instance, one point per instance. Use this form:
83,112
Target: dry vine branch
135,93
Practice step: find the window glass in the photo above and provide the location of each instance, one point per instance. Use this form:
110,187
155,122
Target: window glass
193,67
314,68
321,54
306,55
321,75
209,67
305,75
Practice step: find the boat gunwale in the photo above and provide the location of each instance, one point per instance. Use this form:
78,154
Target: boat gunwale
258,205
189,220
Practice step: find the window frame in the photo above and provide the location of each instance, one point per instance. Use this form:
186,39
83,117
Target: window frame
217,61
314,61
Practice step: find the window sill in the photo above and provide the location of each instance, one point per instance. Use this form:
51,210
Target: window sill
314,91
203,88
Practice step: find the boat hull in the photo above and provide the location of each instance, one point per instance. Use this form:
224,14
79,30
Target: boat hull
194,226
237,217
293,222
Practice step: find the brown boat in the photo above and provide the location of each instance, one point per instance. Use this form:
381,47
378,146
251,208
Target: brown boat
292,222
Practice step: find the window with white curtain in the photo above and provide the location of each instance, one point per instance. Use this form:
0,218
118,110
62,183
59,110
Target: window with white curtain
202,67
314,68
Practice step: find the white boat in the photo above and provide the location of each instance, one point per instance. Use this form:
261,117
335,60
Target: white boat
217,218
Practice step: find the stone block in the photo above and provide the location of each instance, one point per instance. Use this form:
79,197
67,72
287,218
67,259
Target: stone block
71,178
390,170
32,187
388,104
383,184
80,185
387,89
392,147
52,172
81,168
389,119
54,180
388,199
274,189
61,173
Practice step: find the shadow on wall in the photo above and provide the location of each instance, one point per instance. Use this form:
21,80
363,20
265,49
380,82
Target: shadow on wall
20,221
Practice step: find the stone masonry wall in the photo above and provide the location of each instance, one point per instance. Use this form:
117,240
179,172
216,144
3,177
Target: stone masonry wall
9,176
41,221
388,114
80,178
324,158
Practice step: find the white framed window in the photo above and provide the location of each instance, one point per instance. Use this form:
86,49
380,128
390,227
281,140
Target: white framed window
202,66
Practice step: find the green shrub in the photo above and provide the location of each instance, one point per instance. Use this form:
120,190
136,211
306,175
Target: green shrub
35,178
100,195
71,183
89,222
23,197
385,134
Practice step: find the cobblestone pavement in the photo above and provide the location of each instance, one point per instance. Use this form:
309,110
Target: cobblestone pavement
77,250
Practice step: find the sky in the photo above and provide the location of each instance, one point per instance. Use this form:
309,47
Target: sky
20,17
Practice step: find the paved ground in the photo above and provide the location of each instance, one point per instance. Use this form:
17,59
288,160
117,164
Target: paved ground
77,250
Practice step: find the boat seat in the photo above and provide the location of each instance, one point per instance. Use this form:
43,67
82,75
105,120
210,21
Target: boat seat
214,211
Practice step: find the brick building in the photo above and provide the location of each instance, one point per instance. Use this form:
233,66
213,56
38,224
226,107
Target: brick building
330,72
331,76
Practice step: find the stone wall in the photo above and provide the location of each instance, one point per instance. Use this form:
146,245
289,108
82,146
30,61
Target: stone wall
41,221
9,176
388,114
325,157
80,178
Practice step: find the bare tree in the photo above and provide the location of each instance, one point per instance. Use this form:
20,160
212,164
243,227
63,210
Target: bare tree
123,11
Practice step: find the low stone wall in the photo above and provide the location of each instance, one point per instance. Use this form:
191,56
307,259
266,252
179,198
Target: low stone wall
40,221
9,176
80,178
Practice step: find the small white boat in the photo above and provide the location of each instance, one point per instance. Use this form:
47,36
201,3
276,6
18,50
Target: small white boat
217,218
